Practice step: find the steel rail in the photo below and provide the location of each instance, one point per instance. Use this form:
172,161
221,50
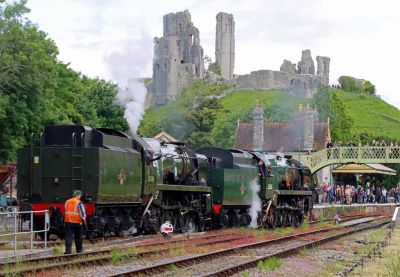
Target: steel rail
185,262
104,256
228,271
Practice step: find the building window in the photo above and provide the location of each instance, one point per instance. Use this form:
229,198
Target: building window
158,66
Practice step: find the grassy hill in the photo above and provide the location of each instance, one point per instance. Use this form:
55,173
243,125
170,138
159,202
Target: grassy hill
371,115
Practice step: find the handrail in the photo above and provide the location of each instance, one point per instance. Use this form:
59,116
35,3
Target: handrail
361,155
15,215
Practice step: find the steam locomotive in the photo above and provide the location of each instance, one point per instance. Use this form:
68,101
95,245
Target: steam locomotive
132,184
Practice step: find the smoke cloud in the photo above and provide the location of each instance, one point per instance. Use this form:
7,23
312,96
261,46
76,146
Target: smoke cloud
126,65
132,97
255,207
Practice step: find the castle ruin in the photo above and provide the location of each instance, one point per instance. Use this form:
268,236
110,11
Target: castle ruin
301,81
178,58
225,44
178,61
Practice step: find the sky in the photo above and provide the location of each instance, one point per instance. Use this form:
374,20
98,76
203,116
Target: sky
113,39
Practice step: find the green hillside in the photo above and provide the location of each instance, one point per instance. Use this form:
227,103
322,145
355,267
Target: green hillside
373,118
372,115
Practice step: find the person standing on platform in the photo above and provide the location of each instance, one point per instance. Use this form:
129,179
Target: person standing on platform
75,215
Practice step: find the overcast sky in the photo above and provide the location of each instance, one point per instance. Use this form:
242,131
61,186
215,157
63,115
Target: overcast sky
113,39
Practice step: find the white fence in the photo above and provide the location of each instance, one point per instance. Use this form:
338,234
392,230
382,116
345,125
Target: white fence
14,223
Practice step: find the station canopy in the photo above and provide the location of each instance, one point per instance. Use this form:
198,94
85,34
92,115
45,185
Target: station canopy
364,169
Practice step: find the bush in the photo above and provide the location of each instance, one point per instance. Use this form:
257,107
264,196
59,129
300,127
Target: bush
349,84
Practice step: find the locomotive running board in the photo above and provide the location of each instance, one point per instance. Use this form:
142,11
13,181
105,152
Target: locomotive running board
293,192
183,188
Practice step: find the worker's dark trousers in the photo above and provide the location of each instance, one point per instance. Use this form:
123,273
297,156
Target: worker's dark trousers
73,230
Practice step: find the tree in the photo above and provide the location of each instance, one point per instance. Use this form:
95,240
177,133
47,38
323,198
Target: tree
349,84
212,66
101,96
26,70
368,88
341,122
38,90
202,116
329,105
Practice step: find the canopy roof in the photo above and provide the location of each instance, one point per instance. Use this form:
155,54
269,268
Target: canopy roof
364,169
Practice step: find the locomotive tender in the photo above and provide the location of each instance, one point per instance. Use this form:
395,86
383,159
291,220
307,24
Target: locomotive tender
133,184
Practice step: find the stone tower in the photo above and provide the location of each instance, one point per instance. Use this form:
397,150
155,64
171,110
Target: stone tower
258,127
178,58
306,65
323,69
225,44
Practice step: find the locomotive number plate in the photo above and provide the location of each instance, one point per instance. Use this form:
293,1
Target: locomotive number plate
269,186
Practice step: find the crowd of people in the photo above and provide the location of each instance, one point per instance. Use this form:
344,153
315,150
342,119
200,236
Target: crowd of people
376,143
350,194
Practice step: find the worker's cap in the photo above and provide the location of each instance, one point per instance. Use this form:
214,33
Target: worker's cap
77,192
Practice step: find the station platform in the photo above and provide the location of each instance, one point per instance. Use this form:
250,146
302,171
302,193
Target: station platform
396,216
327,211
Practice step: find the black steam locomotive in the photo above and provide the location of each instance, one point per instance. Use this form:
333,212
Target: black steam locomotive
133,184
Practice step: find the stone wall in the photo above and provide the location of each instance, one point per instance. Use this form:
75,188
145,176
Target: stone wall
328,212
178,58
301,81
225,44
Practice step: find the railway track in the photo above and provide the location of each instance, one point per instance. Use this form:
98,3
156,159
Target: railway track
142,249
235,255
100,257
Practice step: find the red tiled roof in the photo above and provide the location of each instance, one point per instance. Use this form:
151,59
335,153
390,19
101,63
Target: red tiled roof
280,136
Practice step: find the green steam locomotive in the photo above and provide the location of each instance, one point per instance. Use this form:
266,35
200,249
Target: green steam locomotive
133,184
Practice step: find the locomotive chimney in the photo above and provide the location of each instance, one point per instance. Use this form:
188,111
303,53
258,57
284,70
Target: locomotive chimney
308,129
258,127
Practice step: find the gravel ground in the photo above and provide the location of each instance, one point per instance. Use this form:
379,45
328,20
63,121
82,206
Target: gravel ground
113,269
324,260
204,267
227,261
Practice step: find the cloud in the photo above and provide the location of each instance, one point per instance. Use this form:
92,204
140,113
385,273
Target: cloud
359,36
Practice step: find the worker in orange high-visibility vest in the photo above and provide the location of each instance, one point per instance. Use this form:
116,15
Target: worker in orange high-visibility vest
74,216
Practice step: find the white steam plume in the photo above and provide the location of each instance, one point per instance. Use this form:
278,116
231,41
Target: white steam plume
127,65
132,97
255,207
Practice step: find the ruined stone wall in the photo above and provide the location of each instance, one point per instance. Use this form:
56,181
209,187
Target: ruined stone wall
178,58
289,78
306,64
225,44
263,80
323,68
